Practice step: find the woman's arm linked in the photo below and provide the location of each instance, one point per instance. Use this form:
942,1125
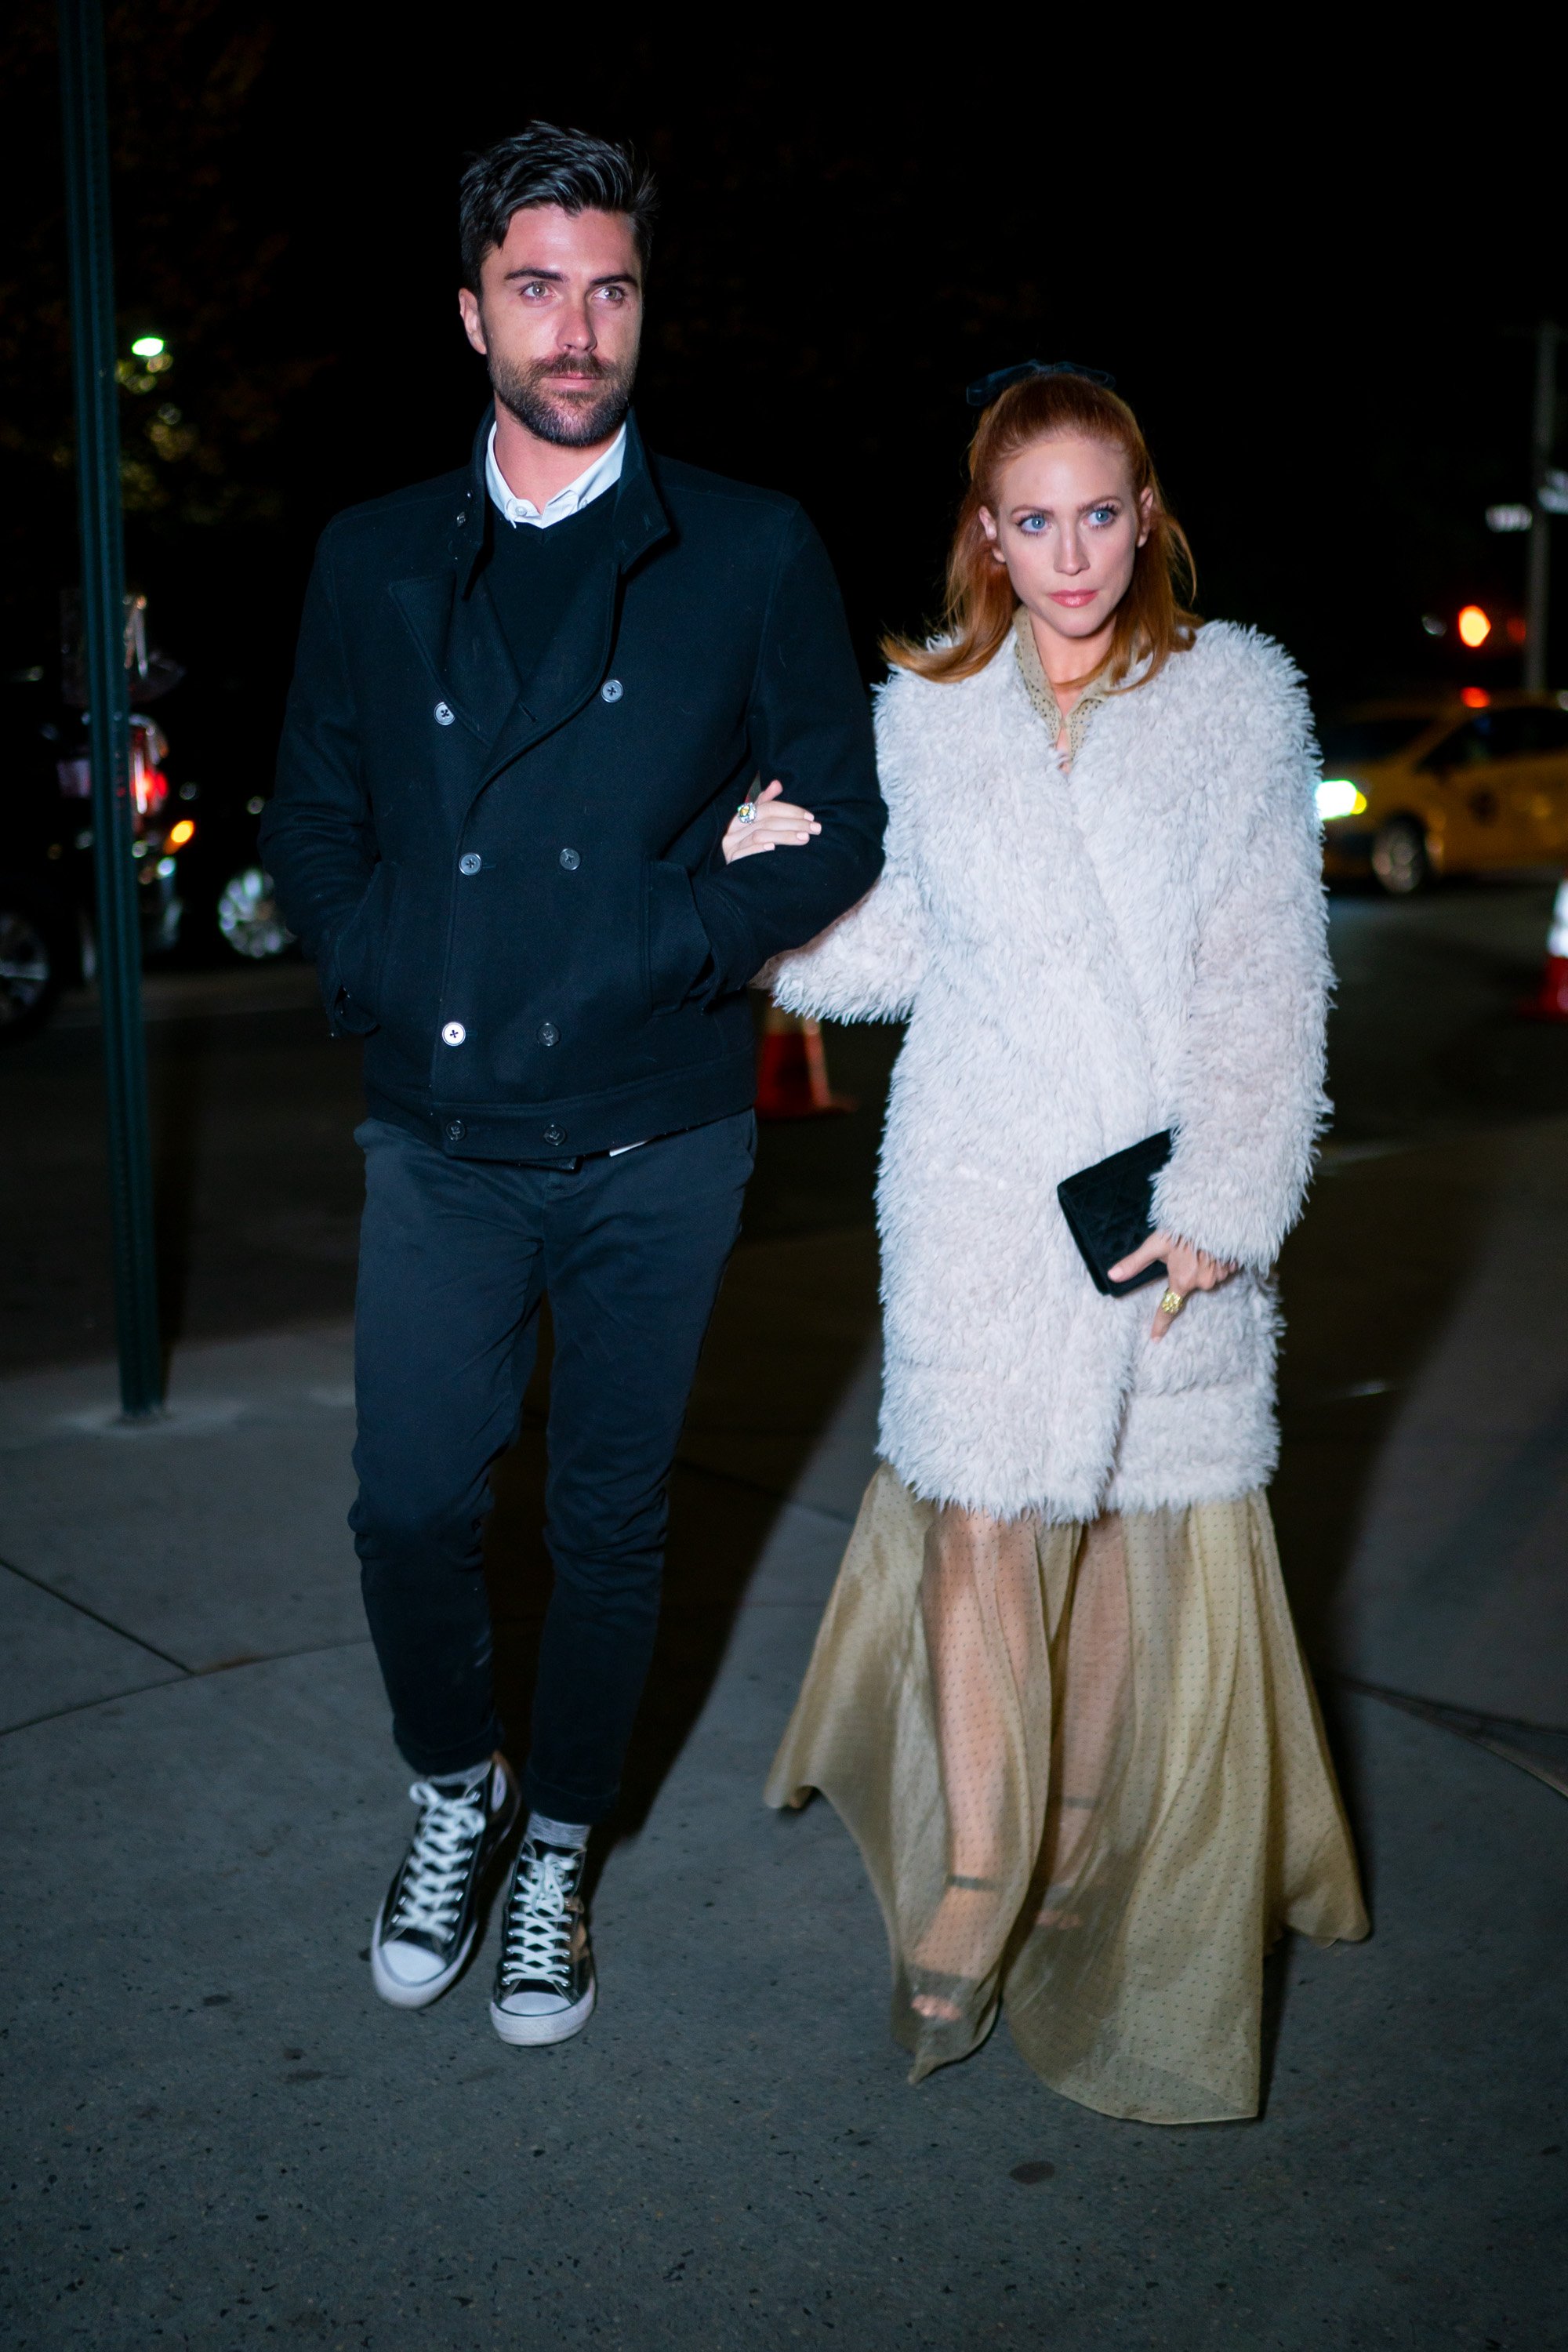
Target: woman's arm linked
865,966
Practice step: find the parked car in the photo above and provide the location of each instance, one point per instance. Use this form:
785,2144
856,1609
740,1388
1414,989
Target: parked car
201,889
47,914
1415,789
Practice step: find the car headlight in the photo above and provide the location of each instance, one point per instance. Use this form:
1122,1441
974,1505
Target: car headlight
1337,796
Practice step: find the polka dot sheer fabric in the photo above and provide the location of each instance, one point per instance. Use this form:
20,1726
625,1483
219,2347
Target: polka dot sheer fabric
1086,1772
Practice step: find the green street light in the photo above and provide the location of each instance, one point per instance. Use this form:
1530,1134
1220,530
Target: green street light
148,347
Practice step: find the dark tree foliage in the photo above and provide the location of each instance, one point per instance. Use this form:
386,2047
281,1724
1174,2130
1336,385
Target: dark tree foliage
1312,318
197,262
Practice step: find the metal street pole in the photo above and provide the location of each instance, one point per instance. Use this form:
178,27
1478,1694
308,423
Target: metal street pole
1545,420
103,616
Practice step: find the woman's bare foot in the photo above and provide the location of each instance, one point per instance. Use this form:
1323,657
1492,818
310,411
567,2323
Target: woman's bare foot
956,1948
936,2008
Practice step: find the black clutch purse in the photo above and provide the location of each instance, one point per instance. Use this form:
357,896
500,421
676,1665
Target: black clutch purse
1109,1209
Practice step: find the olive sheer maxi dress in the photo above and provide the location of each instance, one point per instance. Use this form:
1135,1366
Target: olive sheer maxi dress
1058,1697
1087,1773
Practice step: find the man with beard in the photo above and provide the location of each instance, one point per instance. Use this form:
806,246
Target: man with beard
515,826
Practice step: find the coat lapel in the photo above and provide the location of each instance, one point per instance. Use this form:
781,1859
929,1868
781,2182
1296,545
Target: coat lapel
1047,863
464,650
575,660
572,667
454,622
1145,794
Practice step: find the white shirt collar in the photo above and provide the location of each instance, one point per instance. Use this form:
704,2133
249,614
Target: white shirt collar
601,476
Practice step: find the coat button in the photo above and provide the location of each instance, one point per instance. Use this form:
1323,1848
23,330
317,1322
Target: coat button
456,1130
453,1033
570,860
470,862
611,690
548,1032
445,715
556,1135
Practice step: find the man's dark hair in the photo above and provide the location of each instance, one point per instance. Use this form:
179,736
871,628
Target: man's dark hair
544,165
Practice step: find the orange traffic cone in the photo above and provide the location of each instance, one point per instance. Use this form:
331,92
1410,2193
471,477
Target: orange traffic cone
792,1070
1551,1001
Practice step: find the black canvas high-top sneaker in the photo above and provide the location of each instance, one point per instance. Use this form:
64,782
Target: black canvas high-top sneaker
544,1984
425,1930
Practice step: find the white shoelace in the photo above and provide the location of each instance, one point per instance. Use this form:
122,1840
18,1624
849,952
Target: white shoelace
539,1925
432,1889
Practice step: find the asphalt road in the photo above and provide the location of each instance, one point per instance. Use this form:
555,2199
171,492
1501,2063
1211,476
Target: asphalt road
253,1108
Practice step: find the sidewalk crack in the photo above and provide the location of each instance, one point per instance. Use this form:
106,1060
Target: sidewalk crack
1489,1731
40,1584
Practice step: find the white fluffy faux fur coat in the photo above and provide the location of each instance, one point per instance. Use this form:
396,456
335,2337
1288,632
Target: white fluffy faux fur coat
1085,958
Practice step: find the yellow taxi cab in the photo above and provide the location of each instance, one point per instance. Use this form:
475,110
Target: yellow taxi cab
1414,789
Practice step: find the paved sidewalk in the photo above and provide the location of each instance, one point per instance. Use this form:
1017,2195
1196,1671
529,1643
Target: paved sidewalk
218,2135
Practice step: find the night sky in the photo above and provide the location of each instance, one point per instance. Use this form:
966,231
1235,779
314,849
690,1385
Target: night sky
1308,280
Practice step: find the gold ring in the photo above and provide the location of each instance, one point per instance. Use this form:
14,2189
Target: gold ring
1172,1303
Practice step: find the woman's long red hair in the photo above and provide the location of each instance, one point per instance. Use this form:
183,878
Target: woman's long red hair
1152,621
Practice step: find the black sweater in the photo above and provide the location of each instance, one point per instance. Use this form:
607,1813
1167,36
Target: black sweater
533,574
514,891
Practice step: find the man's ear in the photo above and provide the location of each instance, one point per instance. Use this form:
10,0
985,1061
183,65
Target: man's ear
473,321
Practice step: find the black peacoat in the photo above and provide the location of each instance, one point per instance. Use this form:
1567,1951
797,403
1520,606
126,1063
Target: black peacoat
522,906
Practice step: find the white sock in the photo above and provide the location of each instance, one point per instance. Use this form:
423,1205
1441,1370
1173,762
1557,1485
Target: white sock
544,1831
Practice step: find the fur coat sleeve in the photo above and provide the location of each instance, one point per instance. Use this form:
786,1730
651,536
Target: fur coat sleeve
868,966
1247,1082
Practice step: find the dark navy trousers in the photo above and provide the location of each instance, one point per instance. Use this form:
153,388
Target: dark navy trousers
455,1258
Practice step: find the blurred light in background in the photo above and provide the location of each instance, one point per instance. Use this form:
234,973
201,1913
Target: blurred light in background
1433,625
1474,627
1509,519
148,347
180,834
1337,796
1475,697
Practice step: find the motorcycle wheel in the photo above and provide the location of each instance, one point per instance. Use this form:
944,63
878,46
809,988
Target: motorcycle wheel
248,918
31,962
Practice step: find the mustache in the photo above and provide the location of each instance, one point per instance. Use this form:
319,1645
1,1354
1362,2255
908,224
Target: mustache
587,370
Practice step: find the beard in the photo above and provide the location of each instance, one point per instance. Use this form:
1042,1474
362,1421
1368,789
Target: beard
573,411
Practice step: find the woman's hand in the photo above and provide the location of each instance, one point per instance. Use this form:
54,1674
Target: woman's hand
778,824
1186,1269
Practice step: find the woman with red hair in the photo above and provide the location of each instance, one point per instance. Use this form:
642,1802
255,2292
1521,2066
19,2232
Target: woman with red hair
1057,1695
